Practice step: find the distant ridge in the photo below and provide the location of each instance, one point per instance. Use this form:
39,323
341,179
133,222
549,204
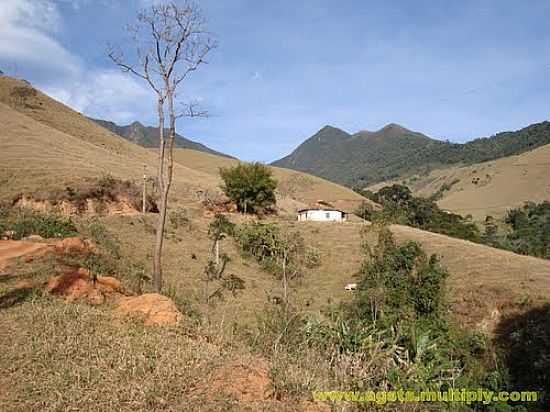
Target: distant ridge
147,136
394,152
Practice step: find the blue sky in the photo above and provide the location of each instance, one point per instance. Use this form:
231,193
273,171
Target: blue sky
283,69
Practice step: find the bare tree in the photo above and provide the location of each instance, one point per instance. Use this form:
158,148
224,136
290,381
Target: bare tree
171,42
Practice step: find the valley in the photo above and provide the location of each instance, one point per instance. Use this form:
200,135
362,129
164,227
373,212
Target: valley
150,261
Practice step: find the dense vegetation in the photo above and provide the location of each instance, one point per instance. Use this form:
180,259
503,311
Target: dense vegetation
526,231
395,334
20,223
393,152
250,186
530,229
401,207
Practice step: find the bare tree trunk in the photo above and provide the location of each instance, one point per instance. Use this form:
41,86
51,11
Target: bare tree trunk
171,42
157,258
165,181
144,196
217,252
285,281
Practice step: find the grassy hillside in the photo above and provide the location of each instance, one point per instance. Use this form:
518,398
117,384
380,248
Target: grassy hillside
489,188
123,365
292,185
47,146
147,136
393,152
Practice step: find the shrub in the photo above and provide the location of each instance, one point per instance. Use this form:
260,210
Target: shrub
399,282
250,186
401,207
530,229
272,247
105,189
101,236
28,222
179,218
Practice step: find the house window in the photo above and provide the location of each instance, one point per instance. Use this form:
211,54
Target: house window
327,215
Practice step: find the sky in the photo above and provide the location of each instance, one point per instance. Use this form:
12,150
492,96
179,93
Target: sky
283,69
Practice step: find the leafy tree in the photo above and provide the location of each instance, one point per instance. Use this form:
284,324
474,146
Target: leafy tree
530,229
218,229
401,207
251,186
281,252
399,282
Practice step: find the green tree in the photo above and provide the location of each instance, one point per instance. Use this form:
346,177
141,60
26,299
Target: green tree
218,229
251,186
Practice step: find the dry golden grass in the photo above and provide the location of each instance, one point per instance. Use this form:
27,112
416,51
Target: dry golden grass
503,184
46,145
35,157
295,188
56,356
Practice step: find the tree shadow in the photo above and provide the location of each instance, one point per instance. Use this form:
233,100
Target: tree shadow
524,340
15,297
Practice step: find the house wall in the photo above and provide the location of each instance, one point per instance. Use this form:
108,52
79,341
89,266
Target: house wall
321,215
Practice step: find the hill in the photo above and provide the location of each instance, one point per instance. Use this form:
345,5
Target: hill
295,189
46,146
147,136
489,188
393,152
38,153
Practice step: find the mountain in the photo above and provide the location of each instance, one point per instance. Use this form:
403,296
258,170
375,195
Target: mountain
362,157
393,152
46,146
147,136
487,188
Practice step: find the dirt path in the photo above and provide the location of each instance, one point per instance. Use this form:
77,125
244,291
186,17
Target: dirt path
12,249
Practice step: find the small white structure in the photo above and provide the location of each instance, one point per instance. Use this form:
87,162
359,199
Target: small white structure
351,286
322,215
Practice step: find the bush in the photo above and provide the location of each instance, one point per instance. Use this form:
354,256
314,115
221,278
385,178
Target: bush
401,207
250,186
104,189
28,222
530,229
399,282
271,246
179,218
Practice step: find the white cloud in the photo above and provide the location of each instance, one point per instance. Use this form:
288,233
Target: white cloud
28,30
107,94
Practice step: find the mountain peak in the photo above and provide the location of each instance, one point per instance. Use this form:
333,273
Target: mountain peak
331,131
394,126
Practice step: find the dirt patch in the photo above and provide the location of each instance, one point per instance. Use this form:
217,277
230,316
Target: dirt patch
90,207
153,308
245,379
72,245
28,250
13,249
76,284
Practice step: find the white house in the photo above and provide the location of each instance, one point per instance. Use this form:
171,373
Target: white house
322,215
